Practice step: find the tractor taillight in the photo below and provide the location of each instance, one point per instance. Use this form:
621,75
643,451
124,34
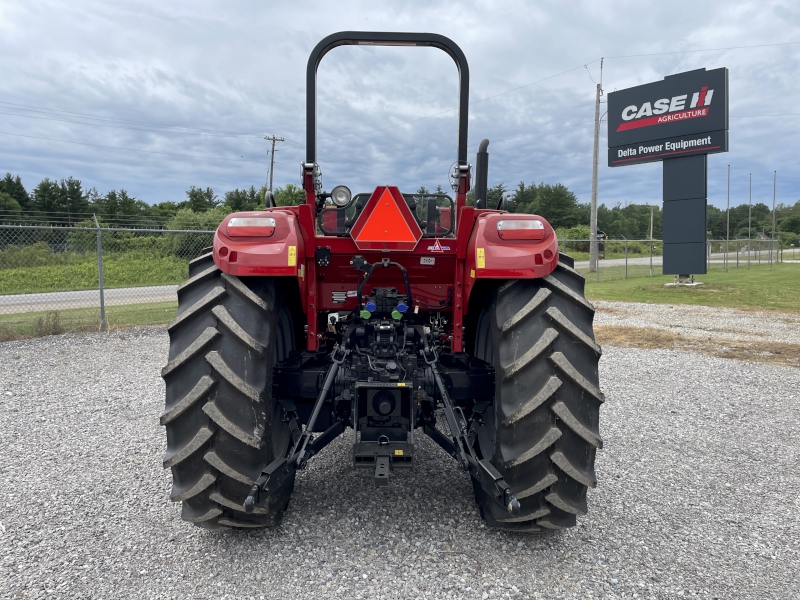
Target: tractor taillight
521,229
251,226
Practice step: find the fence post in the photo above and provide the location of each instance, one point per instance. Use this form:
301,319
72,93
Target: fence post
100,275
597,262
651,257
737,254
626,258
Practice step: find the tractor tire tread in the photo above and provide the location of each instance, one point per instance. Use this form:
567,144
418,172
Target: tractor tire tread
542,432
219,415
201,342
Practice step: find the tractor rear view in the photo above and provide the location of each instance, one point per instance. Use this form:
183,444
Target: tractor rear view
380,317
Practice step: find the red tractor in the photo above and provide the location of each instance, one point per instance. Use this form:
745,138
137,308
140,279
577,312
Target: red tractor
385,313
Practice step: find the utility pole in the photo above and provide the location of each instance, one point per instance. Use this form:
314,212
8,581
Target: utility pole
774,189
728,219
273,139
749,219
593,216
652,211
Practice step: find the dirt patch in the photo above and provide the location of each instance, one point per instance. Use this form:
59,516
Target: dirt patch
776,353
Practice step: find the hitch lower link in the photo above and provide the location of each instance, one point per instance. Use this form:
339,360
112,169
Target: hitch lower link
461,447
302,446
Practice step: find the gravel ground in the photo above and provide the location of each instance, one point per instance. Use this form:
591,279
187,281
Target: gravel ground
703,321
697,496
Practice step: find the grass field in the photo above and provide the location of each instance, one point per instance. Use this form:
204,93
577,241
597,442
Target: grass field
756,288
124,271
35,324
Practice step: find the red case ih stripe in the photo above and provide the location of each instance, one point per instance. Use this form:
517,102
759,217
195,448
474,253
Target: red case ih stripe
692,113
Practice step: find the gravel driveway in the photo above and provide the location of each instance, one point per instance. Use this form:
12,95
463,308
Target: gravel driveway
697,496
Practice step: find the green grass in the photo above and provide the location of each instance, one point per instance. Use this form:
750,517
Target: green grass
34,324
122,271
756,288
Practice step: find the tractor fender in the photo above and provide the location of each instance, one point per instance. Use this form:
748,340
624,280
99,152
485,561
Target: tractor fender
488,256
257,251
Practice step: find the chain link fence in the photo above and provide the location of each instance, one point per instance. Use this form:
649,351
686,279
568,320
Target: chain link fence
623,259
64,279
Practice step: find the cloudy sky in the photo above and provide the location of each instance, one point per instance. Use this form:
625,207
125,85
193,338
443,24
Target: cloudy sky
156,96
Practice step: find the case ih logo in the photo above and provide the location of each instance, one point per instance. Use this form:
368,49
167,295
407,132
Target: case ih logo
667,110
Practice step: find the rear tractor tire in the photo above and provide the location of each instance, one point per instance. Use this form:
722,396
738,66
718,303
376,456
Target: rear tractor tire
223,427
543,431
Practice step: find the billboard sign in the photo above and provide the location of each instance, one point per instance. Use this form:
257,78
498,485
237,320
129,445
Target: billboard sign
684,114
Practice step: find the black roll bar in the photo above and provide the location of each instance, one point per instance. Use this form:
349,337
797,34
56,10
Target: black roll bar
380,38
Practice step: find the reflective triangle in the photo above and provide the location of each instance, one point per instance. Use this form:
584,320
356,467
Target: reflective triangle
386,223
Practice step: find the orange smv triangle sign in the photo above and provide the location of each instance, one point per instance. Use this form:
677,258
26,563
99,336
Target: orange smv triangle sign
386,223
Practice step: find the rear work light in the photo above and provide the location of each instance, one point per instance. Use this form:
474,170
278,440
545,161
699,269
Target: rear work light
251,226
521,229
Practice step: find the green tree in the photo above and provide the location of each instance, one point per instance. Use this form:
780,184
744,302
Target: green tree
790,224
200,200
188,245
162,210
631,221
246,199
47,196
73,201
716,221
523,199
9,207
108,205
13,187
129,206
788,239
556,204
493,195
289,195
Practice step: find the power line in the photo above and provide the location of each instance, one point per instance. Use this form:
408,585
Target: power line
754,116
470,104
181,155
129,149
704,50
203,133
31,108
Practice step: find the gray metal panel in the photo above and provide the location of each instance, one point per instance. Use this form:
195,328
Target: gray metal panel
685,177
685,259
684,221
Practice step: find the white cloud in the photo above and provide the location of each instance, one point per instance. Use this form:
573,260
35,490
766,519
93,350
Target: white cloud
239,67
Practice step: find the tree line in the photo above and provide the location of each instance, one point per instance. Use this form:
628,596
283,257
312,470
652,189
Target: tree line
68,202
203,208
561,208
